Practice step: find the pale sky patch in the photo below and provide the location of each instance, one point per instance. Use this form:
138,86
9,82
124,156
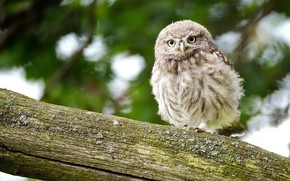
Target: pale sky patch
15,80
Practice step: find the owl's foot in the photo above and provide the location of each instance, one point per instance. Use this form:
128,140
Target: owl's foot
195,129
198,130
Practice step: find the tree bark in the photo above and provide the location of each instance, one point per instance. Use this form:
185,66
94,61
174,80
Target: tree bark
51,142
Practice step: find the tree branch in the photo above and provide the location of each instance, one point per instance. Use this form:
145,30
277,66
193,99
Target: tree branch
51,142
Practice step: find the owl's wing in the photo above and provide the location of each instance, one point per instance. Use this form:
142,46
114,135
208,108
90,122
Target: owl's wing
222,56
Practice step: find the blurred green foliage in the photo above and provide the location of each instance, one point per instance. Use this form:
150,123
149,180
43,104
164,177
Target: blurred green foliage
30,30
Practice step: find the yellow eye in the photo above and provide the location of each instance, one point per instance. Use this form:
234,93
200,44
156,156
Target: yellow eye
191,39
171,43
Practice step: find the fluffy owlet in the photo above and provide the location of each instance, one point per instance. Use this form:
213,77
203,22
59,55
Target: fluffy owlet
194,83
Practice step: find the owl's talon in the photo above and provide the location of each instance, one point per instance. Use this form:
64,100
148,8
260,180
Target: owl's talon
185,127
199,130
189,128
195,129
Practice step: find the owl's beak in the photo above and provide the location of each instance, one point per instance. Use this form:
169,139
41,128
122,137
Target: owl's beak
182,47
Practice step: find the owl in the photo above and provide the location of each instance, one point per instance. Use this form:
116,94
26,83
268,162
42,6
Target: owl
194,83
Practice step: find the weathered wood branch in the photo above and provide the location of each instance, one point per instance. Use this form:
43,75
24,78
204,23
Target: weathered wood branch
51,142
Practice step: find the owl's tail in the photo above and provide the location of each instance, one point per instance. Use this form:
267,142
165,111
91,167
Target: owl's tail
234,130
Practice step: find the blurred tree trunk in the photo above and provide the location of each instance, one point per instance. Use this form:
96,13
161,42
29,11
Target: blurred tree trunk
51,142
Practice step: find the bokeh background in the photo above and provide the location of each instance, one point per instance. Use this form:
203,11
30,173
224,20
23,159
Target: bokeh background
98,55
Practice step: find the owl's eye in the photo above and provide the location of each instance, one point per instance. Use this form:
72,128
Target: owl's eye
191,39
171,43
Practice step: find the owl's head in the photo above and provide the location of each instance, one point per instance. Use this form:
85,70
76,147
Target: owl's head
181,38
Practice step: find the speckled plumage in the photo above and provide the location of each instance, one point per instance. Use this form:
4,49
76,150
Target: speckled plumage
194,83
